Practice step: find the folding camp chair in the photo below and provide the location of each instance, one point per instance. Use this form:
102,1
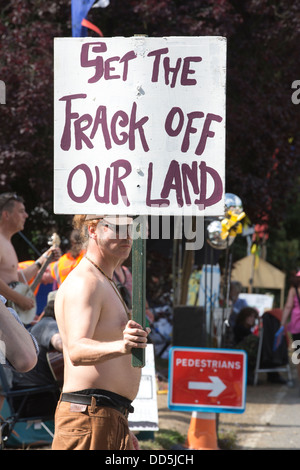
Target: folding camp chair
267,359
35,404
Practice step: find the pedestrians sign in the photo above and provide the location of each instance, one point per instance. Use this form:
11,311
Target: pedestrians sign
204,379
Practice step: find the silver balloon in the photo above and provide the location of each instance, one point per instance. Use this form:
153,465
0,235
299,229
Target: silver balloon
214,230
233,203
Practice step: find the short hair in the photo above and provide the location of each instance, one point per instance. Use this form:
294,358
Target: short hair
7,201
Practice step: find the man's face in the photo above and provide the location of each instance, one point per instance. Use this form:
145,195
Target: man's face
116,238
17,216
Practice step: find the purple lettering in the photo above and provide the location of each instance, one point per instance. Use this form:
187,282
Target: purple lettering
190,173
104,68
177,178
101,118
88,185
173,181
157,54
79,134
105,198
111,191
153,202
108,69
86,121
171,73
137,125
98,62
216,195
123,122
117,181
169,121
185,81
189,129
65,142
173,70
206,132
126,58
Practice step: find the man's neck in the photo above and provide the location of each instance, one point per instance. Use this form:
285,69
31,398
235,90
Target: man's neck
6,232
107,266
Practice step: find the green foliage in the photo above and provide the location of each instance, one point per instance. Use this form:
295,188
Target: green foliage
227,440
167,439
164,439
262,122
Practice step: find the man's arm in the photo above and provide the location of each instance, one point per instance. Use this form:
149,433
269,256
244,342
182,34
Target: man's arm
31,271
57,342
86,351
25,303
18,345
288,306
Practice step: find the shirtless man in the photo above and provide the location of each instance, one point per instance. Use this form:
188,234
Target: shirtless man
98,336
12,219
18,348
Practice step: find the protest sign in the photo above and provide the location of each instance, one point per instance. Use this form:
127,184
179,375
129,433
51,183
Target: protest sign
139,125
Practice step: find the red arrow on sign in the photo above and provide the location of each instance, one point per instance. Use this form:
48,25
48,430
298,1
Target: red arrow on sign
216,386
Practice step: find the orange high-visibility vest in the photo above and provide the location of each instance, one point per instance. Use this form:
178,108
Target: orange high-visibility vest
25,264
61,268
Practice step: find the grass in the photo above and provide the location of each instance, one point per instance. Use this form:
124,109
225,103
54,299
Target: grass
166,439
227,440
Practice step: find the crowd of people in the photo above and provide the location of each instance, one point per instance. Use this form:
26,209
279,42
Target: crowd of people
93,327
87,321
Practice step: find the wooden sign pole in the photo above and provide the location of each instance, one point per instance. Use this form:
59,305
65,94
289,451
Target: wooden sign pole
139,282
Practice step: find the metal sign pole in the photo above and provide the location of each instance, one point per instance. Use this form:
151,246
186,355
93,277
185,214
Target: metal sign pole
139,282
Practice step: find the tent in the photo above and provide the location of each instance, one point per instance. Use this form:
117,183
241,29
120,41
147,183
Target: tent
253,272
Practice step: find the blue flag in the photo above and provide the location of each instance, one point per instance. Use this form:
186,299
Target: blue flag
80,9
278,338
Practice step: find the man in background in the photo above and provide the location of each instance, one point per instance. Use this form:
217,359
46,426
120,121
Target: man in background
60,269
12,220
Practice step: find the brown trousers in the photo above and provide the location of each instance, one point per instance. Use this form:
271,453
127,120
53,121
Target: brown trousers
82,427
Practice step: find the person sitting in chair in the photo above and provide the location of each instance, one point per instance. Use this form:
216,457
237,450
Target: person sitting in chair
245,339
48,338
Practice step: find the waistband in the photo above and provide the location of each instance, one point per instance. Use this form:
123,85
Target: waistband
102,397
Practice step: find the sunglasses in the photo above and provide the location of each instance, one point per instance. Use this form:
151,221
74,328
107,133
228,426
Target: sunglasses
8,197
119,229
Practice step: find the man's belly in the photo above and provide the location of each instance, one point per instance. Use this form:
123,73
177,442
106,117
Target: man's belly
9,277
116,375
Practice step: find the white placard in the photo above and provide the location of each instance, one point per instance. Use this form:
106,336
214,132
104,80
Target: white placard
145,416
262,302
139,125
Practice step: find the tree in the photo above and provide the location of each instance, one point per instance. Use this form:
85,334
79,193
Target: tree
262,121
27,29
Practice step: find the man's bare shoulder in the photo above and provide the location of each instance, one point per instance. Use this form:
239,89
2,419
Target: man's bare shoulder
79,281
79,292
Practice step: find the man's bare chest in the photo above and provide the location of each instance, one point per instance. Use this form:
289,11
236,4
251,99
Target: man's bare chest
8,262
113,318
